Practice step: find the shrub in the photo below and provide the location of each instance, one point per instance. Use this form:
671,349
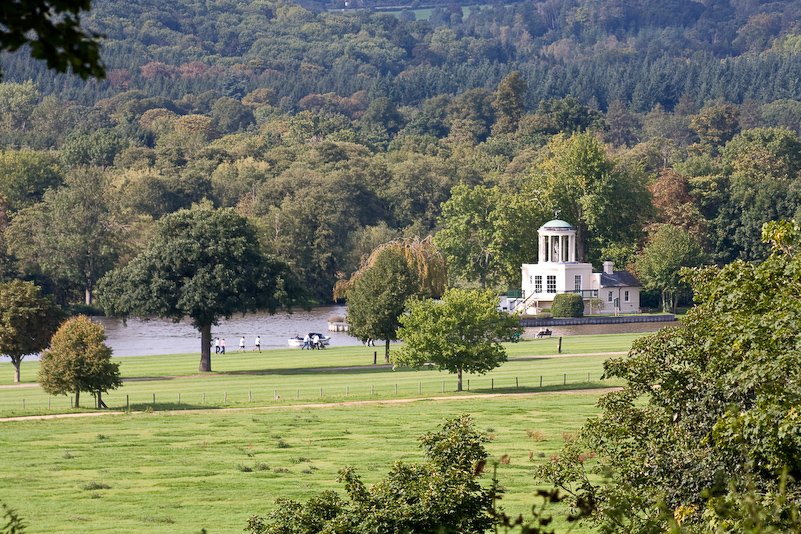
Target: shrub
568,305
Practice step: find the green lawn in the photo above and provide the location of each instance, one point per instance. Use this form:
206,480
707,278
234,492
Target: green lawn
167,472
170,470
332,375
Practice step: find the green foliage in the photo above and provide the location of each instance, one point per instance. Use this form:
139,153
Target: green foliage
602,200
204,264
79,360
707,421
25,175
28,320
486,234
75,235
54,34
462,332
658,265
378,298
440,495
567,305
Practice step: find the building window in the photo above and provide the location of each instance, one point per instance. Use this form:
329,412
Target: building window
577,283
538,284
551,283
610,297
626,296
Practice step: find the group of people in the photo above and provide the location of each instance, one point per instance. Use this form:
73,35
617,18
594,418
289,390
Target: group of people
311,342
219,345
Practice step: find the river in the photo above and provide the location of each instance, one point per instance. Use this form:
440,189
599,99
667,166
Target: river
158,336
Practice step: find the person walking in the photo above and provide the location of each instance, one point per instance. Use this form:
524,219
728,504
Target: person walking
315,341
242,345
257,344
217,346
222,346
306,340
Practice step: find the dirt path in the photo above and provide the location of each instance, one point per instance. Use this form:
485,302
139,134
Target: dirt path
317,405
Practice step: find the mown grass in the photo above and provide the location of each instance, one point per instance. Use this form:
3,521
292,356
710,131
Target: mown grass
181,472
332,375
183,467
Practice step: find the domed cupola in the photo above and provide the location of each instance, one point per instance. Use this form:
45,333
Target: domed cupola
557,242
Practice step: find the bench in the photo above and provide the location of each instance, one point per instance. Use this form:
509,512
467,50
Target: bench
544,332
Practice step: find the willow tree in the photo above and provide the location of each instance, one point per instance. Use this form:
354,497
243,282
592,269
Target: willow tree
378,292
421,254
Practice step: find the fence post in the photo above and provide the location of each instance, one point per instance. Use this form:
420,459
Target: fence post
250,396
443,386
540,380
225,397
588,377
375,357
179,398
204,397
559,347
396,388
565,381
154,401
492,387
127,402
419,387
468,384
347,390
517,384
372,390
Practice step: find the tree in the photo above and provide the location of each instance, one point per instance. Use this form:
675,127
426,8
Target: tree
462,332
486,233
708,414
602,200
79,360
25,175
75,235
669,249
53,32
378,298
510,101
28,320
392,273
204,264
442,494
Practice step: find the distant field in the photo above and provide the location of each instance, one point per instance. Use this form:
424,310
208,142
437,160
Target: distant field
425,14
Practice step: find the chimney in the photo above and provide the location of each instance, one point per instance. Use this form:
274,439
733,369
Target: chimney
609,267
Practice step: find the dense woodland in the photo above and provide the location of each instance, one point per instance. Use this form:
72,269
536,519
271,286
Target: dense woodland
647,125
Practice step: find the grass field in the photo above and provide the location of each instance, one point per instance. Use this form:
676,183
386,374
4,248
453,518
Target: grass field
171,471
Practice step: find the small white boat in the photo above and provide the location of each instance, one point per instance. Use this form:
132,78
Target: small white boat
298,341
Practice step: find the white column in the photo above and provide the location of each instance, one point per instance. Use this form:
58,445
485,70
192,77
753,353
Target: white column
572,249
541,252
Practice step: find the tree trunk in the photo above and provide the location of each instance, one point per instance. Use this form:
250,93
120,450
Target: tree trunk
386,352
77,398
581,242
205,348
99,400
88,296
16,362
459,380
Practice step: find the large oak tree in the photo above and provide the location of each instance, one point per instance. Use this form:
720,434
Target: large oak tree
204,264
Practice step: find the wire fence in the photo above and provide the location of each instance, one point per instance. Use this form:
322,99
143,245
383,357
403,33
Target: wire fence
38,401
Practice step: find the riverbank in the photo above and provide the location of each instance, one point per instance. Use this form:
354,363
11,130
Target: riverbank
598,320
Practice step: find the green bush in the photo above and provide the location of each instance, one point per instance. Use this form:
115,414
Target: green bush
567,305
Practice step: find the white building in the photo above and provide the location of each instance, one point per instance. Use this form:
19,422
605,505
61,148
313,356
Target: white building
557,271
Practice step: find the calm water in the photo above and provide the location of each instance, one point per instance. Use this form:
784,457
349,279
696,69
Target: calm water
158,336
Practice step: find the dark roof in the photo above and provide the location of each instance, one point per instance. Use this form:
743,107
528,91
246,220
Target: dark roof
619,279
